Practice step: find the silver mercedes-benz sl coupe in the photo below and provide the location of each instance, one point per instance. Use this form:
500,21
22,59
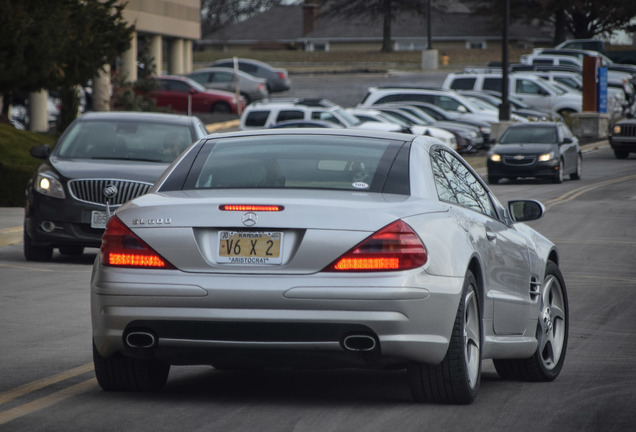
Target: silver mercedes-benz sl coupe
327,248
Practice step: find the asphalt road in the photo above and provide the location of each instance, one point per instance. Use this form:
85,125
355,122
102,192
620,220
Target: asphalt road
47,384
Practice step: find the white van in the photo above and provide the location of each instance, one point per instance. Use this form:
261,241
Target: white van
525,86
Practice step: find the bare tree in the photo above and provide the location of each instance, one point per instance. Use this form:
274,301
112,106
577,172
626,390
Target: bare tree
217,14
385,9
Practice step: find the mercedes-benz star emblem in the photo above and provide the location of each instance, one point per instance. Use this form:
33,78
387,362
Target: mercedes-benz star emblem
249,219
110,191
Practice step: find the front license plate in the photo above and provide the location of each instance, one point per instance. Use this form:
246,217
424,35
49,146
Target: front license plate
98,219
250,247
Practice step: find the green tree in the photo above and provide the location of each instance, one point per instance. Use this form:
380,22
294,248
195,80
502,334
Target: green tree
58,44
384,9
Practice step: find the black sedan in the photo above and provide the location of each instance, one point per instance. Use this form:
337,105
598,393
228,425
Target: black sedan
542,149
101,161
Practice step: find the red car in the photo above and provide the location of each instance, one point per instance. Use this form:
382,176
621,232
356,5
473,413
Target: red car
187,96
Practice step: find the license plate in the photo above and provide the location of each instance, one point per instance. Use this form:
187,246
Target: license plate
250,247
98,219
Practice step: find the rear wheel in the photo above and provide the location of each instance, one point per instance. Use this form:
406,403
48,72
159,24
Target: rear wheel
222,108
576,175
552,335
120,373
456,379
35,253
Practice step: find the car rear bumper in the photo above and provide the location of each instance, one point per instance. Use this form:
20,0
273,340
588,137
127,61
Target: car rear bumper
392,319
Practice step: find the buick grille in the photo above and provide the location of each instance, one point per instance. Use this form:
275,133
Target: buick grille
92,190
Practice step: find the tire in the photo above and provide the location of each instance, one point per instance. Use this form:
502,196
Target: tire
222,108
621,154
35,253
493,180
456,379
120,373
72,250
576,175
558,177
552,335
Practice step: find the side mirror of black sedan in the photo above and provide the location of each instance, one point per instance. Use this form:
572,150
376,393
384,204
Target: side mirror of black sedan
525,210
40,152
567,140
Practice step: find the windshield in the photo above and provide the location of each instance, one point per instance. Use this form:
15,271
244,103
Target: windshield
124,140
294,161
531,134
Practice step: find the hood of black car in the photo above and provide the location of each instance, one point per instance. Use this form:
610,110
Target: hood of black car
523,149
111,169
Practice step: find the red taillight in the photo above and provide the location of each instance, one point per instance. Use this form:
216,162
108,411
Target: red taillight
122,248
251,207
394,247
282,75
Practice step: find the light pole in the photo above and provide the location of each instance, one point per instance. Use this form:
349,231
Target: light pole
504,109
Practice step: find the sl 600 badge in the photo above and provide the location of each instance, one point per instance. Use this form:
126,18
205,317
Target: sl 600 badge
152,221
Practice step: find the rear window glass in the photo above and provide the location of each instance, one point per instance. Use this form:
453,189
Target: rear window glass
256,118
492,84
463,84
297,161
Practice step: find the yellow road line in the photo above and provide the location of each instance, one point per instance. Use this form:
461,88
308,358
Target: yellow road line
44,382
573,194
47,401
214,127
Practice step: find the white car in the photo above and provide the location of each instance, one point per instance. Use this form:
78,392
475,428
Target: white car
526,87
327,248
266,114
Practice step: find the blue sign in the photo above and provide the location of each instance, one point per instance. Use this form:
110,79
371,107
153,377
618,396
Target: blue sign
601,90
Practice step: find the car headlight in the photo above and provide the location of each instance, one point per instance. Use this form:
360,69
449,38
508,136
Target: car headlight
617,129
546,157
495,157
485,130
50,186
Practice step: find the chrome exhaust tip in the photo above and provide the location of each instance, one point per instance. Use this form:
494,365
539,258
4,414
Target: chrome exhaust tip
139,339
359,343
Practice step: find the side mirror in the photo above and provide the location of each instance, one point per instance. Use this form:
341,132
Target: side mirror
40,152
567,140
525,210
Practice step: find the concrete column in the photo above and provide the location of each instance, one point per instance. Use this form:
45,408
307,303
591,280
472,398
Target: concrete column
101,90
156,52
38,115
187,56
175,60
429,59
128,63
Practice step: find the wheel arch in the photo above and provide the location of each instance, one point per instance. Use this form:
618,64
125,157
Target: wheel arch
475,267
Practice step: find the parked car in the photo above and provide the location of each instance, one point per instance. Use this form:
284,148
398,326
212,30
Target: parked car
526,87
623,138
277,78
250,87
184,95
441,114
445,99
305,124
266,114
101,161
516,105
327,248
539,149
